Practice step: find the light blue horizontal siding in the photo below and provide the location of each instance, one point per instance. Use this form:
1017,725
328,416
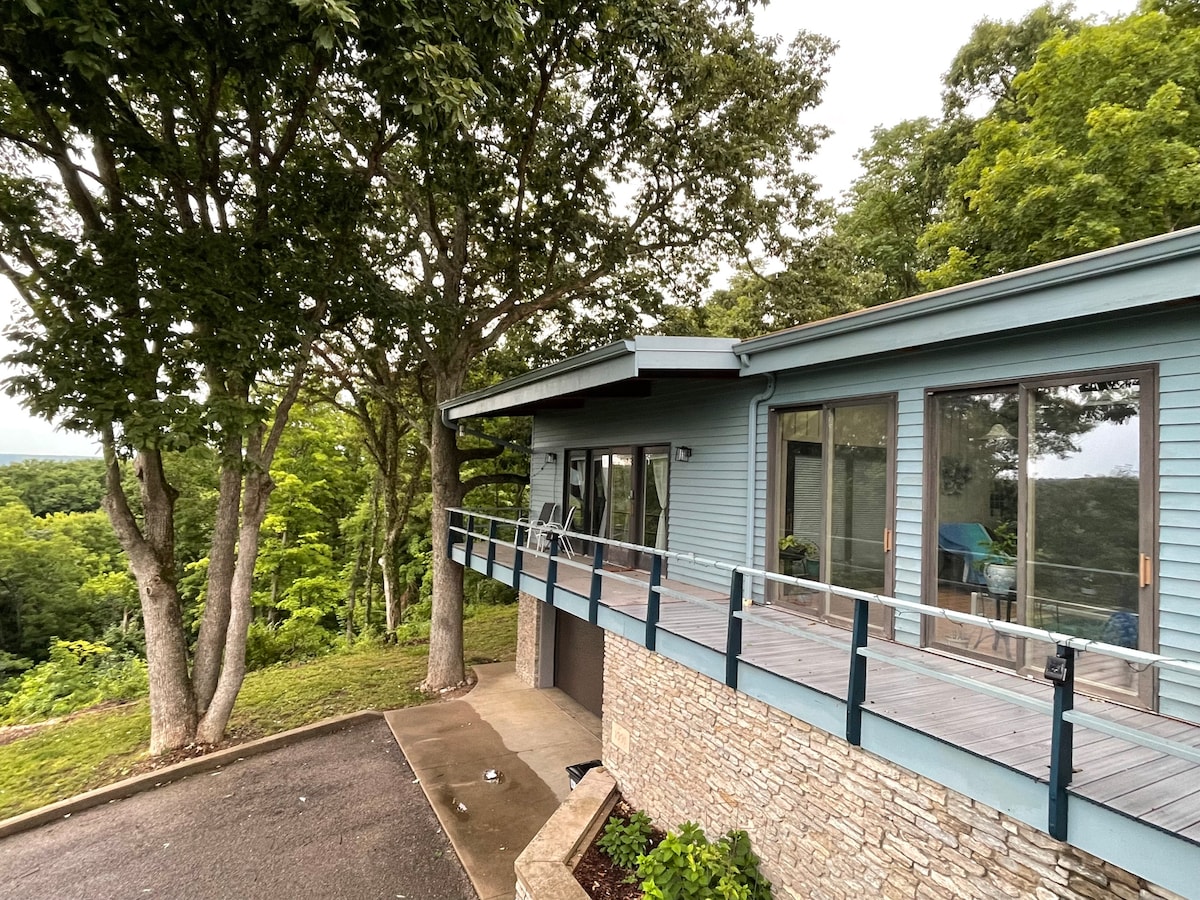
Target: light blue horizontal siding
706,508
707,514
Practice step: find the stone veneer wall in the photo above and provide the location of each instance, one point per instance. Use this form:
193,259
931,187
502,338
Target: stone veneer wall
829,820
529,618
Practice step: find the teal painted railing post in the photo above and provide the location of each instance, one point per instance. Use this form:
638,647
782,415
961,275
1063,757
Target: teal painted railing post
652,602
1062,738
470,538
491,553
856,690
597,584
453,524
733,632
518,556
552,568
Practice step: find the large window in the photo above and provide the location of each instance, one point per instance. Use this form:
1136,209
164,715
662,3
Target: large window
833,505
1043,498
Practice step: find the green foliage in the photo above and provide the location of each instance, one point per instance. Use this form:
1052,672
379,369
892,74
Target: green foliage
624,841
295,640
78,674
1102,147
686,866
56,486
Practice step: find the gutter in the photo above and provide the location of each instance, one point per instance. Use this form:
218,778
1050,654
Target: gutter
752,467
460,428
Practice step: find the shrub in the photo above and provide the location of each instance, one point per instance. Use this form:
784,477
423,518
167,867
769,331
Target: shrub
625,841
295,640
77,674
686,866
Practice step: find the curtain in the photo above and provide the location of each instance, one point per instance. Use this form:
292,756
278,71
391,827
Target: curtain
658,466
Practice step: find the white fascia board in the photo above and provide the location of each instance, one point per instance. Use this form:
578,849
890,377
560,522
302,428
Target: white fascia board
1126,278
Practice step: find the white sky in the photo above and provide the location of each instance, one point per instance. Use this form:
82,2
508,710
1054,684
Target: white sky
888,68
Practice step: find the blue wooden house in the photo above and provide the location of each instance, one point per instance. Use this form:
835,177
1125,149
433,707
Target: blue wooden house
958,532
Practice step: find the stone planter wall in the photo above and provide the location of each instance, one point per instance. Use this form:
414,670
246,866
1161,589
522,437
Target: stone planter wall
544,868
828,819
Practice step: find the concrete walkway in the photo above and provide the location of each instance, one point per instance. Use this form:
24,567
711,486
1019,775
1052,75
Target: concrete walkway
527,736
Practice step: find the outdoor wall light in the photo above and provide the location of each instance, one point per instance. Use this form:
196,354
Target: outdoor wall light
551,457
683,454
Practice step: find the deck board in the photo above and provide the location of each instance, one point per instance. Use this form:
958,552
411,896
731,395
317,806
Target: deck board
1138,781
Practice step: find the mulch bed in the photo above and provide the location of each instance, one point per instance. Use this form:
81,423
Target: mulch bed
600,876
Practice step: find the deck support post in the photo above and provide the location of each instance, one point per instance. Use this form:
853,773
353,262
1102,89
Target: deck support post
856,690
1062,740
597,584
552,568
453,524
470,540
518,556
733,632
652,602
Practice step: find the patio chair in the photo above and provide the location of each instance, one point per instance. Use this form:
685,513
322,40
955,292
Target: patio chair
545,525
968,542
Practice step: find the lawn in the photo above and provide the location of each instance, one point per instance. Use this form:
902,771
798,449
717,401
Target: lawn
101,746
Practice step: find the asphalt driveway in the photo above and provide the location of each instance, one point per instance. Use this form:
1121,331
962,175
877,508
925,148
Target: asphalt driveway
333,816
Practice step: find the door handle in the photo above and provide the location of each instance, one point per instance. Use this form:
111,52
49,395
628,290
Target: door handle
1145,570
888,540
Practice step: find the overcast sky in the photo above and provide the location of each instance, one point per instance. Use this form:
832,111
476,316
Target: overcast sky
887,68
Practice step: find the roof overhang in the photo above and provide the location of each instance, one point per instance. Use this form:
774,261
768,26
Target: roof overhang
1124,279
624,368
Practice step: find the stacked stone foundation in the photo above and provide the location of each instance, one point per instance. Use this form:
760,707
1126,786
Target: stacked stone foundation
829,820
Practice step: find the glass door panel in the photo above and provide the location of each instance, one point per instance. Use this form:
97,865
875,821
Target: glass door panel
858,507
1083,520
655,463
835,507
976,468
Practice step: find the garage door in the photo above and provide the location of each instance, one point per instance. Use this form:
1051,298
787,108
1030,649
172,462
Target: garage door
579,660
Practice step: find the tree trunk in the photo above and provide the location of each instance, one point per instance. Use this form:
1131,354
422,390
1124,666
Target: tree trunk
210,643
150,547
254,509
446,625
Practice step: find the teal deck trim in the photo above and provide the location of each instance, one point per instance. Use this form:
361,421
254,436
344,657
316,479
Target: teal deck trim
1011,792
1158,856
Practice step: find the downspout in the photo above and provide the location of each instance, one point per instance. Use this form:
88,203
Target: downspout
752,466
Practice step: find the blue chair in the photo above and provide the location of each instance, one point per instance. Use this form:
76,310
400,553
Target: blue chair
1121,629
970,543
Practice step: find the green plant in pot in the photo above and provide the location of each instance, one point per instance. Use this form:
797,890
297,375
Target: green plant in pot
803,557
999,566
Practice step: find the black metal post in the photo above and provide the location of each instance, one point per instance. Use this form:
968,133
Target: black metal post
597,583
856,690
652,602
733,632
453,523
1062,741
518,557
552,568
491,551
470,539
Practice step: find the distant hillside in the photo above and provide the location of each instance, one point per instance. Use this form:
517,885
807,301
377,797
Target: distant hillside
9,458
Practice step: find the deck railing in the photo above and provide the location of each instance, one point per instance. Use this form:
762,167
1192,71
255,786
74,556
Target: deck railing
1060,668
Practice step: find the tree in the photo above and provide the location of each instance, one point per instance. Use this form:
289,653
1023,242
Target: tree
1104,148
608,153
176,233
986,66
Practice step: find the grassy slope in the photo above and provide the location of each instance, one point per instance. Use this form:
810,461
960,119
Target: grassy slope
99,747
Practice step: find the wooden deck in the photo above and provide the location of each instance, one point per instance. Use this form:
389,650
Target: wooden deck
1139,782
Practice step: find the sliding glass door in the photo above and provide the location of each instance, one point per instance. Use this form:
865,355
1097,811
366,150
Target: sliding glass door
834,506
620,493
1044,517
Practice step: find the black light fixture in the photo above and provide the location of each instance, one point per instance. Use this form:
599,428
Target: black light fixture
683,454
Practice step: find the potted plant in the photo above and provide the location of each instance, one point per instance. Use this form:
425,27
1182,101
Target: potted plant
999,566
803,557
